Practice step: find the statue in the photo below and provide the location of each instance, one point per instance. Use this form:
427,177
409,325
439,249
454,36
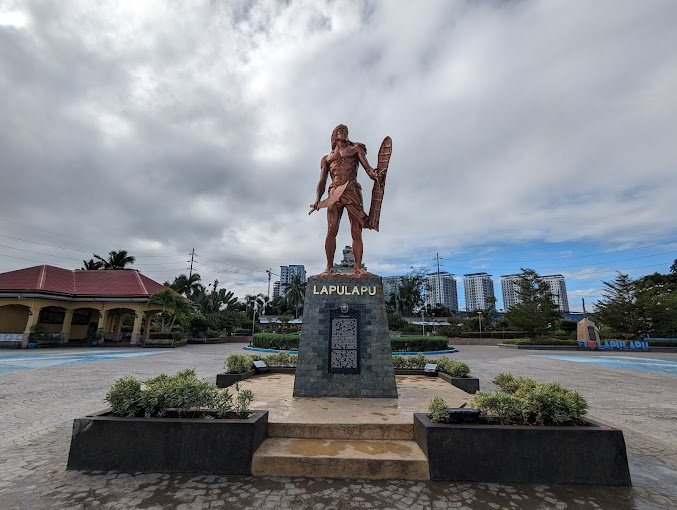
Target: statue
346,193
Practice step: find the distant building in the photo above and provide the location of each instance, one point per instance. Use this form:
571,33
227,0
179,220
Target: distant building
556,284
286,274
442,290
558,289
390,286
276,289
478,288
509,290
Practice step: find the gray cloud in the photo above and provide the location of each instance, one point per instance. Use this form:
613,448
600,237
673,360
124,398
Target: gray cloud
167,126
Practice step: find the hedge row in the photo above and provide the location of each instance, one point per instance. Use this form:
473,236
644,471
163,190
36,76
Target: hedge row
419,343
401,343
540,341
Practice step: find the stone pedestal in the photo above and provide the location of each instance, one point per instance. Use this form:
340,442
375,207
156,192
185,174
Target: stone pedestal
587,331
345,349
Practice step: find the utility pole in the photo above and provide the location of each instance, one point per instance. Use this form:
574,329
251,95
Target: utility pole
439,283
192,256
269,272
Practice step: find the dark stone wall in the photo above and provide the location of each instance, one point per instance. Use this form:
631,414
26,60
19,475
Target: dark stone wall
591,454
376,377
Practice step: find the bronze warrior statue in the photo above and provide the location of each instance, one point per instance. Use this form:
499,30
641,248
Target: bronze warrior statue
346,193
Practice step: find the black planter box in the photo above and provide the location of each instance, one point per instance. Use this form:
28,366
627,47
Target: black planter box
467,384
166,445
224,379
593,454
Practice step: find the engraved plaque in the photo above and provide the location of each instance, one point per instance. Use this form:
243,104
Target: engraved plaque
344,343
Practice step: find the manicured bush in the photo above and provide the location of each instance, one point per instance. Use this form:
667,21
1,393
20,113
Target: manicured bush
523,401
160,335
239,363
124,396
182,393
449,366
540,341
437,410
418,343
177,336
280,341
452,367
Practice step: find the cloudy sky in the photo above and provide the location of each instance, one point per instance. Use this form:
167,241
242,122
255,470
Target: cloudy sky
536,134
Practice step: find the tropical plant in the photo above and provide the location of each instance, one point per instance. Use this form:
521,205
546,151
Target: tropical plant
172,303
116,260
187,285
92,265
295,293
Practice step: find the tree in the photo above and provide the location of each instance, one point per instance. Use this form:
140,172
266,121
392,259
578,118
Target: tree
295,292
188,286
618,308
116,260
92,265
409,296
536,311
171,302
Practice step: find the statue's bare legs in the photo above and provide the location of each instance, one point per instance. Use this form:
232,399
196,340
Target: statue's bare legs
358,247
333,218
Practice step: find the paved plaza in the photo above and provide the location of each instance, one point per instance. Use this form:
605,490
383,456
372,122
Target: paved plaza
42,391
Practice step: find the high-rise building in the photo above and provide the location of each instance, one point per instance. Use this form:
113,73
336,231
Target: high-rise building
556,284
286,274
509,290
478,288
276,289
390,286
558,289
442,290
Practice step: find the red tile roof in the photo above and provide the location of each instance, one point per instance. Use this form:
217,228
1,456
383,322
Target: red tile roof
55,280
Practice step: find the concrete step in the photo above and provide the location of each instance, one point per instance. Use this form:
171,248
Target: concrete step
339,458
386,431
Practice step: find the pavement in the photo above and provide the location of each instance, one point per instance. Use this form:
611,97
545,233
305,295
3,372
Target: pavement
40,399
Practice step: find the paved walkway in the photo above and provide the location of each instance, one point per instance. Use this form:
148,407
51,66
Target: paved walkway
37,406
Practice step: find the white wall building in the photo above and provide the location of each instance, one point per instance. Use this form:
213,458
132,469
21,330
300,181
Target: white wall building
478,287
390,285
441,289
286,274
555,282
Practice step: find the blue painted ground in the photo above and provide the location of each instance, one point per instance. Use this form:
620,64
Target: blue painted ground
650,365
15,362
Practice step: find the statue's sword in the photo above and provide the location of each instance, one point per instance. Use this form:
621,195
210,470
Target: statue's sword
332,198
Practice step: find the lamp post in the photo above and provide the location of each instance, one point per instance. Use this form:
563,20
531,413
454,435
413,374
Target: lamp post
423,320
479,316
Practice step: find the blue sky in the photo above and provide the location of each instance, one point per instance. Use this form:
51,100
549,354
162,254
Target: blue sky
525,134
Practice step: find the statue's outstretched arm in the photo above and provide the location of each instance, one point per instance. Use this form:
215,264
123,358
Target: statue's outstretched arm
322,184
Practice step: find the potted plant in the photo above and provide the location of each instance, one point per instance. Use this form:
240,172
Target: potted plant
170,424
529,432
37,335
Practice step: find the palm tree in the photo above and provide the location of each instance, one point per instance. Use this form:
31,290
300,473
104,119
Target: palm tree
116,259
170,299
188,286
295,292
92,265
254,303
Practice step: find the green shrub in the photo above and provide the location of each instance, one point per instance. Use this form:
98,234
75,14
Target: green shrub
492,334
153,335
452,367
540,341
498,406
239,363
212,333
177,336
124,396
416,362
418,343
528,402
281,359
278,341
399,362
182,392
437,410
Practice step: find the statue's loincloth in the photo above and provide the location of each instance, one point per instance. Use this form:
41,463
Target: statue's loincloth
351,199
